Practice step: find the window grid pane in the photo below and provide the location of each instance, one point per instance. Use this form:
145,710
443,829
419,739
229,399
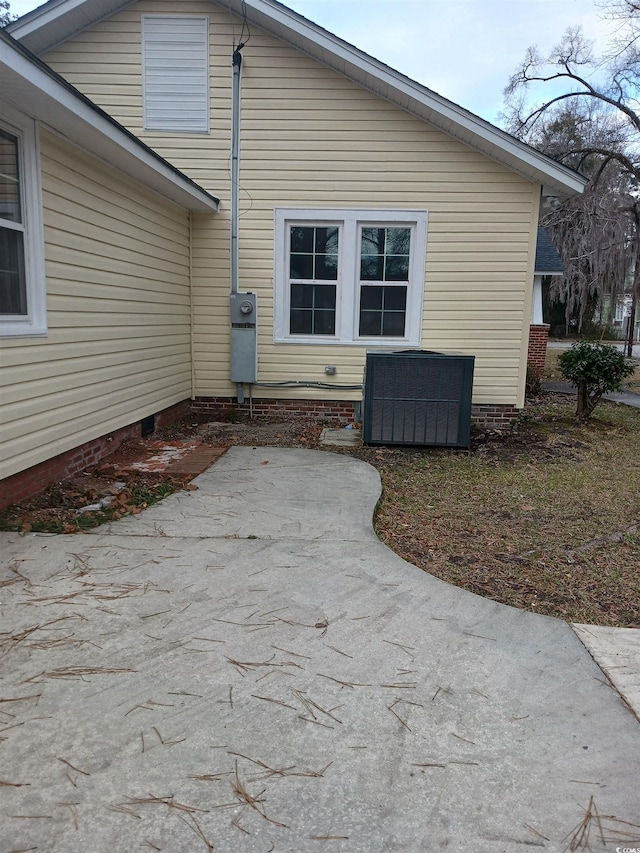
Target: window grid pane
384,254
313,253
313,309
383,310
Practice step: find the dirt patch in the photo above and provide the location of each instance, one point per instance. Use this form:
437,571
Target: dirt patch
86,501
262,432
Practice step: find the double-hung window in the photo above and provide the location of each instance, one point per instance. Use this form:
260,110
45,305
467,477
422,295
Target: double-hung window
349,276
22,283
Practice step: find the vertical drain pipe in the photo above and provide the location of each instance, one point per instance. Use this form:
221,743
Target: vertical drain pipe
235,178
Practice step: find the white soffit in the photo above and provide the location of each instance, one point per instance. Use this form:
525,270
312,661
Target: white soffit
58,20
38,92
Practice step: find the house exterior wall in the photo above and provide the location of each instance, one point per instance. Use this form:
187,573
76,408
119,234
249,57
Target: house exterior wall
312,139
118,346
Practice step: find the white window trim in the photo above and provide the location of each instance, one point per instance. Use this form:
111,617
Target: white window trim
206,128
35,320
348,284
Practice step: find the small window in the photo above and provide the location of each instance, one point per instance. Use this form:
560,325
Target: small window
349,276
22,285
175,61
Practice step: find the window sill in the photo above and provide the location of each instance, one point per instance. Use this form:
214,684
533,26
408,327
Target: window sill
174,132
22,330
361,342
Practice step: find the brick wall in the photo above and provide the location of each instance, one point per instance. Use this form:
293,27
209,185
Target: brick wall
538,337
494,417
484,415
36,479
316,409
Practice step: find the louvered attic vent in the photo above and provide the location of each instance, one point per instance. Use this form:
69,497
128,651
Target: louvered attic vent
417,397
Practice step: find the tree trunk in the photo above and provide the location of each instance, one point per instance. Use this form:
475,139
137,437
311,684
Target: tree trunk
586,401
583,411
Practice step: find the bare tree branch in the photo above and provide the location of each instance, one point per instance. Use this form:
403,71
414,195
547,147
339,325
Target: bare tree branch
593,126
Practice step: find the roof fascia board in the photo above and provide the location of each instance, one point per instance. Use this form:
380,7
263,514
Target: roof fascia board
57,104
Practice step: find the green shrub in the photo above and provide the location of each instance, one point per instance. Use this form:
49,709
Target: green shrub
594,369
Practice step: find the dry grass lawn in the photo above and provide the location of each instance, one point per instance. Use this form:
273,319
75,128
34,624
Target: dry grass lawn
547,519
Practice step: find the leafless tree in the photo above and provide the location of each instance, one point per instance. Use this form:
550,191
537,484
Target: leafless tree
590,121
5,13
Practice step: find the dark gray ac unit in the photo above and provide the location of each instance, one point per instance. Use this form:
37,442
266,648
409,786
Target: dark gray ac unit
417,397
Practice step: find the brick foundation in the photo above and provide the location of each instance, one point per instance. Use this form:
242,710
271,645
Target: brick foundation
487,416
538,337
330,410
483,415
34,480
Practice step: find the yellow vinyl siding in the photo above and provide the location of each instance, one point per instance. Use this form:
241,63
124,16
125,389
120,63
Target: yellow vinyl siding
118,346
311,138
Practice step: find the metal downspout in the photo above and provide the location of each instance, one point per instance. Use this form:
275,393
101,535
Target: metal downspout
235,178
191,310
235,165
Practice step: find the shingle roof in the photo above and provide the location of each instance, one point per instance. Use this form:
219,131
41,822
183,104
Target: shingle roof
547,258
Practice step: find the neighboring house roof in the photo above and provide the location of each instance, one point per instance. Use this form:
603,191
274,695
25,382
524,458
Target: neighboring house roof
36,89
57,20
548,261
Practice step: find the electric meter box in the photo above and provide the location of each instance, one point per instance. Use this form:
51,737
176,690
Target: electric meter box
244,354
242,307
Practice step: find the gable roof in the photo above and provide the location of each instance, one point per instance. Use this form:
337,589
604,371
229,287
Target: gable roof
57,20
37,90
548,261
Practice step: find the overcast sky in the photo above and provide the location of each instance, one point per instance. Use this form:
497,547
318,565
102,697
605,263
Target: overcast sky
463,49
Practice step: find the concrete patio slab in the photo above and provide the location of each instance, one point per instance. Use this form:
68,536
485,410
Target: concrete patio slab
264,492
617,652
250,669
343,437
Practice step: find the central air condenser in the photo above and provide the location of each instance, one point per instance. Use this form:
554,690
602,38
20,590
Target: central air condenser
418,397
